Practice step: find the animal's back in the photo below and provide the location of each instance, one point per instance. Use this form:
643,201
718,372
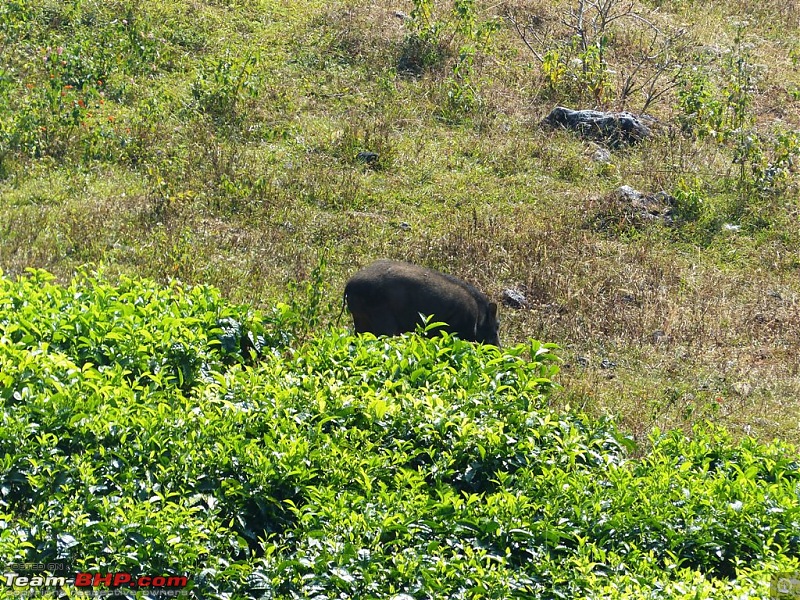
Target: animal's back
387,297
401,281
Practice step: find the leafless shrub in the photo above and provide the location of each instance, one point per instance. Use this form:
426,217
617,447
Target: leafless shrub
589,42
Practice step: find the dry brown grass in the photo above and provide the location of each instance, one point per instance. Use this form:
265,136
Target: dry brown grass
654,337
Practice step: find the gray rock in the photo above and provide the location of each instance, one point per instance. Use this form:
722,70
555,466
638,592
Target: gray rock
644,207
514,299
601,155
612,128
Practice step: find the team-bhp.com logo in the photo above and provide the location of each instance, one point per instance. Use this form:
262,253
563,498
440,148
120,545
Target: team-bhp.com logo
785,586
162,585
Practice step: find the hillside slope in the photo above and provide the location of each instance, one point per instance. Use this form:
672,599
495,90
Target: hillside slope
218,142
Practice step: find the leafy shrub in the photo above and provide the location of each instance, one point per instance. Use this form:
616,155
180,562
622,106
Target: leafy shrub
424,46
575,71
464,35
701,112
135,436
159,336
219,87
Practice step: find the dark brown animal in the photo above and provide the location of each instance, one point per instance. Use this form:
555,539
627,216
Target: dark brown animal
388,296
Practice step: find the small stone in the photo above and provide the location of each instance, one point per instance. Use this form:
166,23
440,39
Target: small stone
601,155
514,299
640,207
626,192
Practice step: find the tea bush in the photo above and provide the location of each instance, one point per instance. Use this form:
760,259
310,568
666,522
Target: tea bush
139,432
233,143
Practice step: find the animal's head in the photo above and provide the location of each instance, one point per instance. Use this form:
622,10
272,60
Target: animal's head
487,329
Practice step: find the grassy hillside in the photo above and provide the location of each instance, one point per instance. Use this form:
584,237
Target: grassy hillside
137,436
218,142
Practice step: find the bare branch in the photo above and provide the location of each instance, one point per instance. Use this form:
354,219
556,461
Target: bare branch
650,71
522,33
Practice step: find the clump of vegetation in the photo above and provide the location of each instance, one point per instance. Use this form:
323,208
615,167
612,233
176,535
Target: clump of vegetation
234,143
608,52
762,159
465,35
138,436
